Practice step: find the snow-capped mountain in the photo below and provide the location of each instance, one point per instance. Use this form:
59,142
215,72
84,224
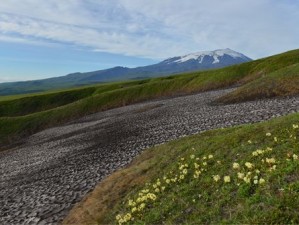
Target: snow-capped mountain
210,59
179,64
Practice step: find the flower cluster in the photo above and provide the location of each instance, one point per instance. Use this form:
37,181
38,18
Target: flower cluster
292,156
138,205
247,173
261,151
123,219
149,195
254,170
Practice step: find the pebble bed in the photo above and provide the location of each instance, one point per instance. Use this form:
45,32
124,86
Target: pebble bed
42,179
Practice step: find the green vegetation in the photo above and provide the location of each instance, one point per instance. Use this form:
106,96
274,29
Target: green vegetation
22,116
28,105
242,175
283,82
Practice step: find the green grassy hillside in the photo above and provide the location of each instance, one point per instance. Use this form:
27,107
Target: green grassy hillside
242,175
22,116
282,82
28,105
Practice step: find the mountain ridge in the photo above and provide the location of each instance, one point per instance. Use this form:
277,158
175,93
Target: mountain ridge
215,54
179,64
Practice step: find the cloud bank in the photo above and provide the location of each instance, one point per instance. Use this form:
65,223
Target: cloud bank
154,29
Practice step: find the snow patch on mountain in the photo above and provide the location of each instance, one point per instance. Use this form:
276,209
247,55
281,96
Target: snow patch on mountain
199,56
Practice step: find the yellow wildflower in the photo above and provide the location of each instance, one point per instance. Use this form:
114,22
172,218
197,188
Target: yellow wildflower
157,190
241,175
145,191
210,156
216,178
295,157
236,165
167,181
192,156
181,167
249,165
131,202
226,179
204,163
174,180
261,181
196,173
249,141
270,160
295,126
127,217
268,134
273,167
247,179
185,171
152,196
118,217
141,207
255,153
134,210
275,139
255,181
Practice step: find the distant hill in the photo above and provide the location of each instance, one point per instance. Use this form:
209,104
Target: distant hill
191,62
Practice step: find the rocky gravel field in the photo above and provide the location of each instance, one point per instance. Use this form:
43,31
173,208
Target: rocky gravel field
42,179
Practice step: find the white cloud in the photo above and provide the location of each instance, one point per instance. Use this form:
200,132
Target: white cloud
155,29
256,27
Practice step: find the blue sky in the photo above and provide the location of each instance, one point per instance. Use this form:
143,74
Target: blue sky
40,39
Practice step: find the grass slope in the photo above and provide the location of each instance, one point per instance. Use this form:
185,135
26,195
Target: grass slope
283,82
242,175
21,117
28,105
